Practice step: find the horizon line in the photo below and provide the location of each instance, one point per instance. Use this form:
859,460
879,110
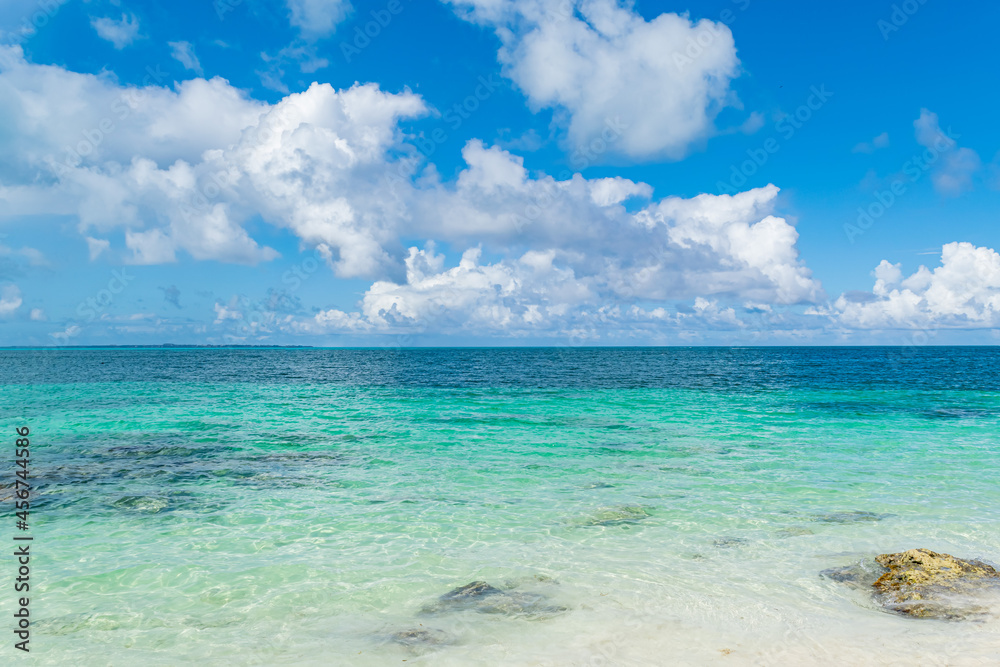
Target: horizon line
194,346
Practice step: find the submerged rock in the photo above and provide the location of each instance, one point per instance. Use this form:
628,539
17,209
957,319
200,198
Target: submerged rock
617,516
795,531
141,504
420,638
480,597
532,579
860,576
923,584
852,517
730,542
926,584
477,589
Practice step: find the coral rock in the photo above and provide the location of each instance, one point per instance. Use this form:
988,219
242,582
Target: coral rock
926,584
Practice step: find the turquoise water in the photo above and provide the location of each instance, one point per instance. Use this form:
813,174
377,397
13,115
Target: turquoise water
667,506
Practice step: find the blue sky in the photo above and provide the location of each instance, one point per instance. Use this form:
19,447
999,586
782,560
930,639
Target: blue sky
479,172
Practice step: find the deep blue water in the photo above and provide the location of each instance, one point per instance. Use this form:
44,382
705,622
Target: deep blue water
739,369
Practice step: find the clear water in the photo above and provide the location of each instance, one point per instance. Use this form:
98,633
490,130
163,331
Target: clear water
301,506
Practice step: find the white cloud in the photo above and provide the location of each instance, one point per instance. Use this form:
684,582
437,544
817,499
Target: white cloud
334,168
621,85
318,18
20,19
135,157
33,256
672,249
38,315
183,52
741,252
10,300
56,116
505,296
303,55
715,314
881,141
957,170
225,312
953,174
528,296
183,169
152,246
964,292
317,164
929,133
119,33
96,247
64,335
337,320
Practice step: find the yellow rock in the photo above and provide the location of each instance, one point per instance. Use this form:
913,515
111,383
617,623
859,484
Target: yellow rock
926,584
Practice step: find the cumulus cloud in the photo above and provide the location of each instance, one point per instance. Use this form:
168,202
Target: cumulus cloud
96,247
963,292
99,148
317,18
59,117
66,334
672,248
956,167
184,168
335,169
740,252
32,256
183,52
504,296
120,33
317,163
881,141
228,311
10,300
722,246
334,320
528,296
616,82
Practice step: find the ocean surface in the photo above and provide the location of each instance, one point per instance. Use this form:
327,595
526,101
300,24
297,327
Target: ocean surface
664,506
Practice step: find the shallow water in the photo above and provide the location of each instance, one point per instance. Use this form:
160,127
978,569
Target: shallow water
663,506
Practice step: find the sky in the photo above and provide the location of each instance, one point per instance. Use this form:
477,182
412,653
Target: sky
487,172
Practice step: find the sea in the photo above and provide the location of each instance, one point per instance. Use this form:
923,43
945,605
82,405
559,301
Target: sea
623,506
